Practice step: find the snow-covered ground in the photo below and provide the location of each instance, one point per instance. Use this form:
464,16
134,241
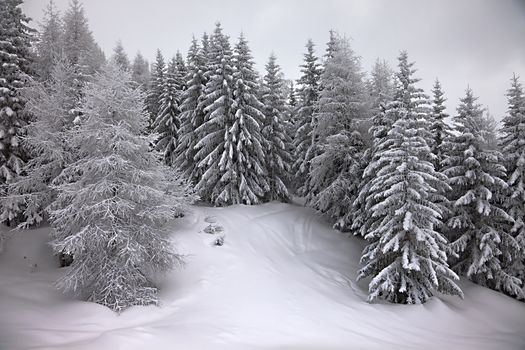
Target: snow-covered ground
282,280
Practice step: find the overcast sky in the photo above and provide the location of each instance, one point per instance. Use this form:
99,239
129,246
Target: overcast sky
469,42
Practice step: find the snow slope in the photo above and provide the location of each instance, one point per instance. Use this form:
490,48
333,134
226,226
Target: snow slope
283,280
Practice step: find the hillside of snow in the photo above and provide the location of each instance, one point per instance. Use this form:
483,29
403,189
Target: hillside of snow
284,279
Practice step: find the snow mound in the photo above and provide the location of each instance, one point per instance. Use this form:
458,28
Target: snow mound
283,279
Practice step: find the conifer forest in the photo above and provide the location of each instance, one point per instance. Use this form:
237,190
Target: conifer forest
206,197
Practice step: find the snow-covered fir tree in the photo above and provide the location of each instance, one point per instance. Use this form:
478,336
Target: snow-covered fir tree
241,165
406,256
477,224
303,138
334,170
219,115
79,45
438,127
167,123
49,47
381,91
513,148
15,60
331,45
120,57
53,105
181,71
380,86
156,88
123,195
192,107
278,142
140,71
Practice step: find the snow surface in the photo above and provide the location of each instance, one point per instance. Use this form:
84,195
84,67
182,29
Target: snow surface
282,280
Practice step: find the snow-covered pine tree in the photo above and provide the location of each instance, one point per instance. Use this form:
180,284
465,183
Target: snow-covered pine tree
477,224
406,256
513,148
219,116
15,57
156,88
303,138
242,161
140,71
112,217
331,45
49,47
79,45
181,72
381,92
278,143
334,170
167,123
53,106
438,127
192,116
380,86
120,57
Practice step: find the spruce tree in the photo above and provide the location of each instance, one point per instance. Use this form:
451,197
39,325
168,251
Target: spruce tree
438,127
156,88
49,47
120,56
52,105
125,199
242,162
406,256
334,170
513,147
79,45
381,92
303,139
217,105
192,111
15,60
181,72
167,123
278,143
477,225
140,71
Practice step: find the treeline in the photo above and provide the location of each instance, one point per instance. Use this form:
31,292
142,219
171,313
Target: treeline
435,197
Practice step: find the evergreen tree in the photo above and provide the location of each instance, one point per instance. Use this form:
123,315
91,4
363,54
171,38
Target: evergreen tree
513,147
242,162
381,90
140,71
406,256
79,46
15,60
125,200
53,107
380,86
334,170
120,56
217,105
477,223
167,123
438,127
331,45
192,108
278,157
49,47
181,72
156,88
303,139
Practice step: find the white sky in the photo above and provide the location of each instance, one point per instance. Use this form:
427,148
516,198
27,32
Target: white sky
462,42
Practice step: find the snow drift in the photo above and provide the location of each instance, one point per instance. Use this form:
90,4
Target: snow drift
282,280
